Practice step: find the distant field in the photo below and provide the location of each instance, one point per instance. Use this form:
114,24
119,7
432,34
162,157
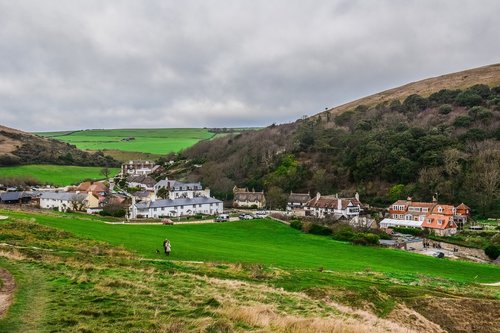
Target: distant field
153,141
59,175
270,243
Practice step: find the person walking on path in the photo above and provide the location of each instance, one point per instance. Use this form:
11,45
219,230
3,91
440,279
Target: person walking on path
166,246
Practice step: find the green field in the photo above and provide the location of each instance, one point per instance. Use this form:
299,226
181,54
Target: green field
153,141
59,175
75,273
270,243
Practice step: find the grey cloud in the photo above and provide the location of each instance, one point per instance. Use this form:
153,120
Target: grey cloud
94,64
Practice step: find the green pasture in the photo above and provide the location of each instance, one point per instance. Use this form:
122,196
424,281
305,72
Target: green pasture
153,141
264,242
59,175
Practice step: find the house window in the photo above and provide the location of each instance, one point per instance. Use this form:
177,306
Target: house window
429,221
440,222
440,209
424,210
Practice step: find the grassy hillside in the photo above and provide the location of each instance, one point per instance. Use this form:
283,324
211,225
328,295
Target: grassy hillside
270,243
445,143
489,75
230,277
18,147
153,141
59,175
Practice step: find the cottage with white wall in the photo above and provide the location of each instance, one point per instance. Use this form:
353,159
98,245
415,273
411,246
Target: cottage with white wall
176,207
323,206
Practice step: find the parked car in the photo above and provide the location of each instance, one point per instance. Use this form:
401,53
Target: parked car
246,217
222,218
261,213
438,255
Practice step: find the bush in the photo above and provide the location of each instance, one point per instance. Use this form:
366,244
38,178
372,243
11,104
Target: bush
408,231
492,251
296,224
462,121
445,109
365,239
415,102
317,229
468,98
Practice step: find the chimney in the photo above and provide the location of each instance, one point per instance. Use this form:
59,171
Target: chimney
339,203
356,196
318,195
409,199
434,199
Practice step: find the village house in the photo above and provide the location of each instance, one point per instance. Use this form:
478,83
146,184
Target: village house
137,167
333,206
142,181
64,201
176,207
176,189
296,203
246,199
439,218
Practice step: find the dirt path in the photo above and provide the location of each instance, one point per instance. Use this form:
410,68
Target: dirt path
6,291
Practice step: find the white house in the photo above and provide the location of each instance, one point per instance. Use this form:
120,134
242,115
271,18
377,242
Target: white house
176,207
138,168
63,201
178,189
323,206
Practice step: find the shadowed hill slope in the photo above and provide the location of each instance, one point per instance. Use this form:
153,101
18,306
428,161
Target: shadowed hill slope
389,145
18,147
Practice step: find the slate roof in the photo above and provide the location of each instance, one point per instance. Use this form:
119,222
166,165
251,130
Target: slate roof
175,185
299,197
13,196
142,179
176,202
64,196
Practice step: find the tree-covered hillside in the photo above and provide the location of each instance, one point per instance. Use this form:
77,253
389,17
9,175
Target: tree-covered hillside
447,143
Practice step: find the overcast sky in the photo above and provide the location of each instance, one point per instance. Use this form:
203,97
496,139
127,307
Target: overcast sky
123,64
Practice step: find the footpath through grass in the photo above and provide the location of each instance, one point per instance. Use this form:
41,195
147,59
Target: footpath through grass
59,175
154,141
264,242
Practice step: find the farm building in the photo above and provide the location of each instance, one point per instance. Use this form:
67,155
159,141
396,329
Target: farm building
14,197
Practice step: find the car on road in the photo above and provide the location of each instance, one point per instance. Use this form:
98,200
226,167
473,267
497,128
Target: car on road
246,217
222,218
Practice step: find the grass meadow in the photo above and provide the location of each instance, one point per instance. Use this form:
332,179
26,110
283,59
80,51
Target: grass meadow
270,243
59,175
75,273
152,141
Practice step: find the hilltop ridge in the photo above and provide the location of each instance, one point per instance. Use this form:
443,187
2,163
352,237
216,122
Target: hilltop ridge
489,75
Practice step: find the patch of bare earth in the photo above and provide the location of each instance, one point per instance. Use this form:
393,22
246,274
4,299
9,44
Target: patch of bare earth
461,315
6,291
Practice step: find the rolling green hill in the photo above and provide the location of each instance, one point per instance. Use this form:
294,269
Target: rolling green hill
58,175
152,141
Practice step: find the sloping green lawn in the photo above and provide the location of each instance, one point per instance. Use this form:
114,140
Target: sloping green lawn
265,242
154,141
59,175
